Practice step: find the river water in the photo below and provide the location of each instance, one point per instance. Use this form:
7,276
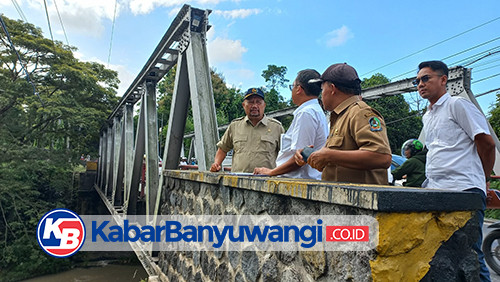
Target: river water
110,272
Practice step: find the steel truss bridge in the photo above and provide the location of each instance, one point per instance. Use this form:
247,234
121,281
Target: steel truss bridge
121,156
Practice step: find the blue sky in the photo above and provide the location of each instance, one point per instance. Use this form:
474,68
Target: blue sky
246,36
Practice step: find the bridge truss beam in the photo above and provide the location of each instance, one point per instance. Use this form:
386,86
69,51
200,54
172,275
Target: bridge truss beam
121,176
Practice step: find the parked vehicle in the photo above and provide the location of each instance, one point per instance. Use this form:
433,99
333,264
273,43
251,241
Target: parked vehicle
491,248
491,243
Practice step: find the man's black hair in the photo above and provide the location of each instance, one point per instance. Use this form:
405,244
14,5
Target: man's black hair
436,66
303,78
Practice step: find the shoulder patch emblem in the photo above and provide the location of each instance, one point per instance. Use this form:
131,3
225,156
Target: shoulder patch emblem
375,124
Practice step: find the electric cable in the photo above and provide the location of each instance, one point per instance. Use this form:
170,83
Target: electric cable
401,119
19,11
48,20
433,45
112,32
454,55
62,25
487,92
483,69
485,78
469,60
4,27
487,63
487,55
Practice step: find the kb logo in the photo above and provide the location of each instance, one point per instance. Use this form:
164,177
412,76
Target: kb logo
60,233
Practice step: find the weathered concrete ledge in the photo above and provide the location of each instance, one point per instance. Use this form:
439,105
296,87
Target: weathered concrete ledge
372,197
423,234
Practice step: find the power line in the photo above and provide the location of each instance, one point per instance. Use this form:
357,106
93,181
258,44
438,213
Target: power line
487,55
112,32
486,78
471,48
433,45
401,119
487,63
474,58
4,27
487,92
48,20
480,70
19,11
60,20
456,54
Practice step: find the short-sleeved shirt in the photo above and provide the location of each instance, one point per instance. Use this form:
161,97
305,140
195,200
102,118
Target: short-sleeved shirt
253,146
450,126
309,127
356,126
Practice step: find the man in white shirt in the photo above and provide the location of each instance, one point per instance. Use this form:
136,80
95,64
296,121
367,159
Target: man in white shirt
309,127
461,150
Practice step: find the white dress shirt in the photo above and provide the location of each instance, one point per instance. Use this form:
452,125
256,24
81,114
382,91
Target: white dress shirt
452,161
309,127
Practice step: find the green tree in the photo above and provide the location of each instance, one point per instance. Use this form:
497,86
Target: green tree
402,122
38,138
77,96
495,116
275,78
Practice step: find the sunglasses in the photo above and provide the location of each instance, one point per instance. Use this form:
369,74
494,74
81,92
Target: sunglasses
424,79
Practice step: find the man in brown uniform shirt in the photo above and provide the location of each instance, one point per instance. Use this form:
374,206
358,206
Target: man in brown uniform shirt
357,149
255,138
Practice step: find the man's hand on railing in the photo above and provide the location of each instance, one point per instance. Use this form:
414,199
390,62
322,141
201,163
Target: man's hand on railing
215,167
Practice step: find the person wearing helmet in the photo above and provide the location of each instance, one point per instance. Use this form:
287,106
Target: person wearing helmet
414,167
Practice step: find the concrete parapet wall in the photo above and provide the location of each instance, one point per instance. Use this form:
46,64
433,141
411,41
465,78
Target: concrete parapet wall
423,234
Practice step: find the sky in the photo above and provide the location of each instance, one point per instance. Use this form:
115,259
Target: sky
387,37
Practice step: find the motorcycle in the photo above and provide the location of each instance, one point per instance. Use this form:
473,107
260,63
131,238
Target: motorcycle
491,243
491,248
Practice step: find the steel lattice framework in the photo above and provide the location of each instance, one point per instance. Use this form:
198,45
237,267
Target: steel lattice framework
121,158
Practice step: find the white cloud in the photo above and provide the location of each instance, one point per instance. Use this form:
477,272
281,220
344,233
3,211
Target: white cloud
225,50
145,7
124,75
337,37
236,78
82,16
82,20
243,74
174,12
235,14
211,33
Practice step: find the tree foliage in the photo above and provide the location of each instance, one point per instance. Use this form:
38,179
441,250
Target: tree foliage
402,122
275,76
39,134
495,116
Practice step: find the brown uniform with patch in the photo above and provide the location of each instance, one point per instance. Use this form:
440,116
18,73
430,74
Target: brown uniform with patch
253,146
355,125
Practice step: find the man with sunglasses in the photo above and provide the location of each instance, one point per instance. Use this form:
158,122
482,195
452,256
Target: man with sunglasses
254,138
309,127
357,149
461,150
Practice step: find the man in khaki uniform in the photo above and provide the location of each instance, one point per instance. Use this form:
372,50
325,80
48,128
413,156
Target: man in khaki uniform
357,149
254,138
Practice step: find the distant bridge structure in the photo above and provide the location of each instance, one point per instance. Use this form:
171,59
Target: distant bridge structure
122,157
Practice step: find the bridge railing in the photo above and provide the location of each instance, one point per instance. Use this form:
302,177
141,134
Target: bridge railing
121,157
